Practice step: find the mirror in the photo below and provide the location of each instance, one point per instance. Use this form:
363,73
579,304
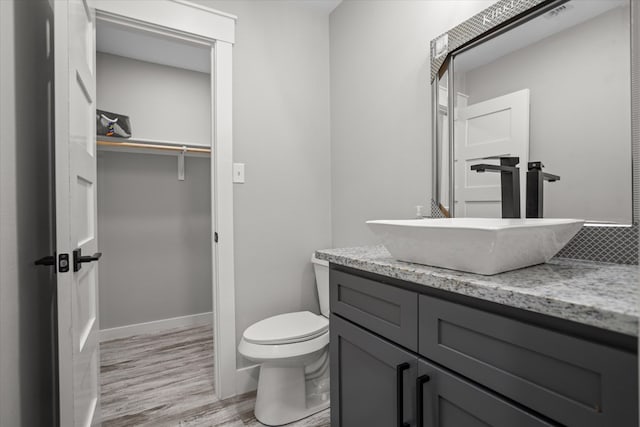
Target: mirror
552,88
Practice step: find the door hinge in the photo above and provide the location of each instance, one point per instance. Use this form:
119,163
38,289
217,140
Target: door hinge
215,236
63,263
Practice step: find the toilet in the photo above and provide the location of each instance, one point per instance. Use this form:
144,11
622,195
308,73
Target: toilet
292,350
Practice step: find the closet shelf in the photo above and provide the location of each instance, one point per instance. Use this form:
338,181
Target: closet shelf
149,144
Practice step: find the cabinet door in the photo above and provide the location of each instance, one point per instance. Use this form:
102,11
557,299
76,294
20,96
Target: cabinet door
576,382
372,380
447,400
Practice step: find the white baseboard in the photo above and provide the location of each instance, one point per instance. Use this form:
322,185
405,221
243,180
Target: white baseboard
156,326
247,379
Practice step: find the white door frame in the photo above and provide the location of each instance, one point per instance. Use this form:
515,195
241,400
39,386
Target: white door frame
198,24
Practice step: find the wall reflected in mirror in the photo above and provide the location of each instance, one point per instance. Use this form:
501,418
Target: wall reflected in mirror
555,89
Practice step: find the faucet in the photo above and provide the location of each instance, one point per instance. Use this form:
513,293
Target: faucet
535,187
509,183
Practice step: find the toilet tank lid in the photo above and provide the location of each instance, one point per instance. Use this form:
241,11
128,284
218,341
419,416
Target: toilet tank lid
287,328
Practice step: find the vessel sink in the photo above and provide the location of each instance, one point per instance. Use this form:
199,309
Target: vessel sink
476,245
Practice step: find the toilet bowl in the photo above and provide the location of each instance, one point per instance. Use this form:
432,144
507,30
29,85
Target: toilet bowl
292,350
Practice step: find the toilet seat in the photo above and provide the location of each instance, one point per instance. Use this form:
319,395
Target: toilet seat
288,328
283,352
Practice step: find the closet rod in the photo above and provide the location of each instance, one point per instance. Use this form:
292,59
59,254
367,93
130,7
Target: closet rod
154,146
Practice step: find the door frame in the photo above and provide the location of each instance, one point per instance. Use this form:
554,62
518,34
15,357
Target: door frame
207,27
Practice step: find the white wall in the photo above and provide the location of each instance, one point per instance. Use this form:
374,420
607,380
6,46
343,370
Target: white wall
163,102
281,131
579,79
27,293
155,233
380,109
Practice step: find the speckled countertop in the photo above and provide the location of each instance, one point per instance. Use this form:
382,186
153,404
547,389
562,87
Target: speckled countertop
597,294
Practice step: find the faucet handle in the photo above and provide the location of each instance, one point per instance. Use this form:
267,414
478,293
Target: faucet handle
505,160
509,161
535,166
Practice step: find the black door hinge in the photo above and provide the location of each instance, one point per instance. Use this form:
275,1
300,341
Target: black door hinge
215,236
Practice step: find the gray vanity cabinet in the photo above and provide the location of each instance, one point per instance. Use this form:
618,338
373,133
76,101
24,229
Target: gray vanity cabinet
374,377
404,356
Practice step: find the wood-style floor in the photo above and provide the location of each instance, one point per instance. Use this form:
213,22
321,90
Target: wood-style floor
166,379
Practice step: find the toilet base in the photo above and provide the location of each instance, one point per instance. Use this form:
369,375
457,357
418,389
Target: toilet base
282,395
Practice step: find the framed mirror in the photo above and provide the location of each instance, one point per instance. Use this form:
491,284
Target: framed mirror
553,84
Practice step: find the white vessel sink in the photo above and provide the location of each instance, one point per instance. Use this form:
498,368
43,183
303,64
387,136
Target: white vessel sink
476,245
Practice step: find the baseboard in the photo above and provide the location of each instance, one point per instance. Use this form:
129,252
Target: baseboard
156,326
247,379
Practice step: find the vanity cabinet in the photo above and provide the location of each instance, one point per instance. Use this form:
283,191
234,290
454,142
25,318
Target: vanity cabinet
376,378
404,357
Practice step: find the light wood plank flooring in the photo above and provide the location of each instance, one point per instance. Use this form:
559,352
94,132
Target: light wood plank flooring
166,379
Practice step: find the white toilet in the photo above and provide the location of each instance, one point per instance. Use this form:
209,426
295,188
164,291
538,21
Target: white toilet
292,349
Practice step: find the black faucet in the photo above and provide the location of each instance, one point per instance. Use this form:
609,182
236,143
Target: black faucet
509,184
535,188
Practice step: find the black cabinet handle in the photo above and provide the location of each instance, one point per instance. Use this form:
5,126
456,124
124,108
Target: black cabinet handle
78,259
400,393
419,398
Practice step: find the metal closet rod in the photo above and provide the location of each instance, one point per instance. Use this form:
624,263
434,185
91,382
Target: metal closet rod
178,148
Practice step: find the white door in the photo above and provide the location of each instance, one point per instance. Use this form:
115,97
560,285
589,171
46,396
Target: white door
496,127
75,161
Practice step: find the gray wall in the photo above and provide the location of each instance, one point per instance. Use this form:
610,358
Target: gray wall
154,230
281,131
27,293
163,102
580,113
155,233
380,109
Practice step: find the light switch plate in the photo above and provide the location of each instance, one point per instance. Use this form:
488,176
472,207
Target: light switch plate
238,173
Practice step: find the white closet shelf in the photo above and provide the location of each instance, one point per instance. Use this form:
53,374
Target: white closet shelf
130,144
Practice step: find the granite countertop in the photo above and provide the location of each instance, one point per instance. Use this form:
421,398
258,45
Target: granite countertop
597,294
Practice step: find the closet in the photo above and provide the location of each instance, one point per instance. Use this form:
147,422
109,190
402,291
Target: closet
154,188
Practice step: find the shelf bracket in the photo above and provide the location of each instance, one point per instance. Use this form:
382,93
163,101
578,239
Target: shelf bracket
181,163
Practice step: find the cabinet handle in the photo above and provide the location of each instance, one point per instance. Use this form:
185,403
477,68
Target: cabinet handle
400,393
420,381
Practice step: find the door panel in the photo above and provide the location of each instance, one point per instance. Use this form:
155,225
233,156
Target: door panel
386,310
364,388
76,212
575,381
496,127
451,401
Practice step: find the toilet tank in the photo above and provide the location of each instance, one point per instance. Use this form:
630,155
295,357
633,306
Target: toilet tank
321,269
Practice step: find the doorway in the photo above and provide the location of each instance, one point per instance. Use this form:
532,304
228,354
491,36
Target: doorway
154,211
78,327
